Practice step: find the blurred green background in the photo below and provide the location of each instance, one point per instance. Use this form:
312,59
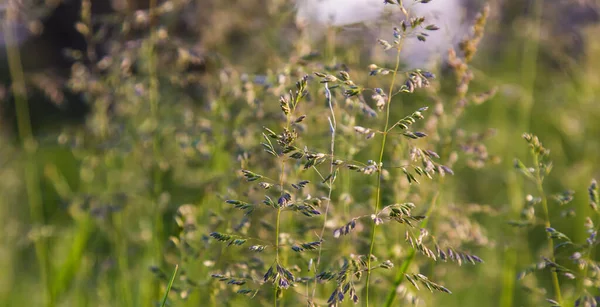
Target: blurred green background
93,214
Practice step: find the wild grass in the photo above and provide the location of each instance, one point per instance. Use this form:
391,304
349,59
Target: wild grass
294,172
31,175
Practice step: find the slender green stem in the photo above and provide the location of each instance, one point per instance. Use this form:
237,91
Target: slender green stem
406,264
153,94
333,126
156,145
277,251
379,172
540,189
32,180
510,254
153,98
528,78
508,276
169,286
18,84
591,255
277,226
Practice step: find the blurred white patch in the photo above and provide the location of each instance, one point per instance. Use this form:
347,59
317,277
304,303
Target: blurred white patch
338,12
379,19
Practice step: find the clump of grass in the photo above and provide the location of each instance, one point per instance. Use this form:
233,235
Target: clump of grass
315,213
277,274
541,168
397,212
564,253
29,146
345,271
126,154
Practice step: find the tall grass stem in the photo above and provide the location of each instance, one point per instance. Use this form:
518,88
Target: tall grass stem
379,167
32,177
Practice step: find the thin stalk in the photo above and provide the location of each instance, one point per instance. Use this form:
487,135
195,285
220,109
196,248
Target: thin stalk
281,182
332,126
508,276
32,180
153,93
277,224
153,97
406,264
528,76
277,250
379,172
540,189
591,255
510,254
591,250
169,286
528,79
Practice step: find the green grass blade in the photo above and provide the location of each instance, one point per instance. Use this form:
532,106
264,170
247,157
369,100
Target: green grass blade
169,286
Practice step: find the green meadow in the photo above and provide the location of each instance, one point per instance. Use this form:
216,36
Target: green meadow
292,171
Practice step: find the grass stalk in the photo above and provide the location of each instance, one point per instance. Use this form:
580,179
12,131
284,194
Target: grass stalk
379,172
528,78
169,286
153,98
332,126
590,256
278,218
32,177
510,254
277,223
544,203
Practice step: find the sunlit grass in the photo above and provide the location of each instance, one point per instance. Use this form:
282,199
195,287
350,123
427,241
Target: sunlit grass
120,214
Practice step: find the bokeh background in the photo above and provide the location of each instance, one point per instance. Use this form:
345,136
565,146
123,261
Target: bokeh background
143,133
